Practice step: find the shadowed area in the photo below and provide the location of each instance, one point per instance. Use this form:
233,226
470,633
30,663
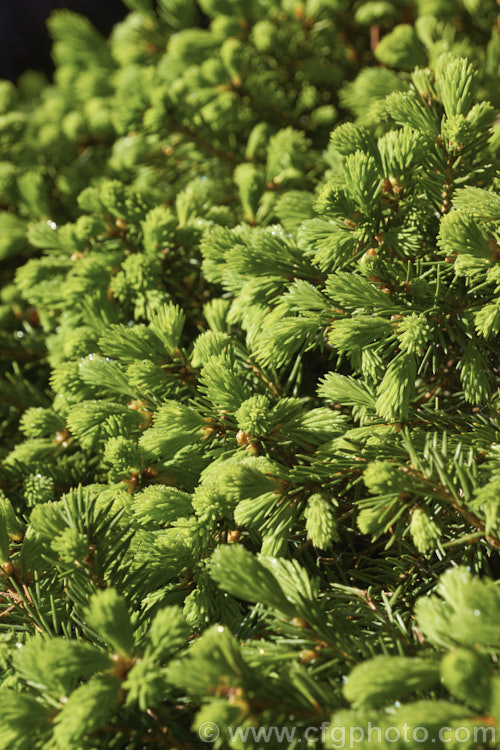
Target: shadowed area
24,41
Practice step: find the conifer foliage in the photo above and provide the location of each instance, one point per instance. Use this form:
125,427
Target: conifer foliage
249,378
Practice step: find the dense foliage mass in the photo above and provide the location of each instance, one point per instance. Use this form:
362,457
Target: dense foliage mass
249,379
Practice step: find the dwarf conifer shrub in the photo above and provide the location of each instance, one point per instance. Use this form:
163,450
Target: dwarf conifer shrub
249,379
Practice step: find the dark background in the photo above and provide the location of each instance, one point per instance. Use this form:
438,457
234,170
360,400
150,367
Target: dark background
24,41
